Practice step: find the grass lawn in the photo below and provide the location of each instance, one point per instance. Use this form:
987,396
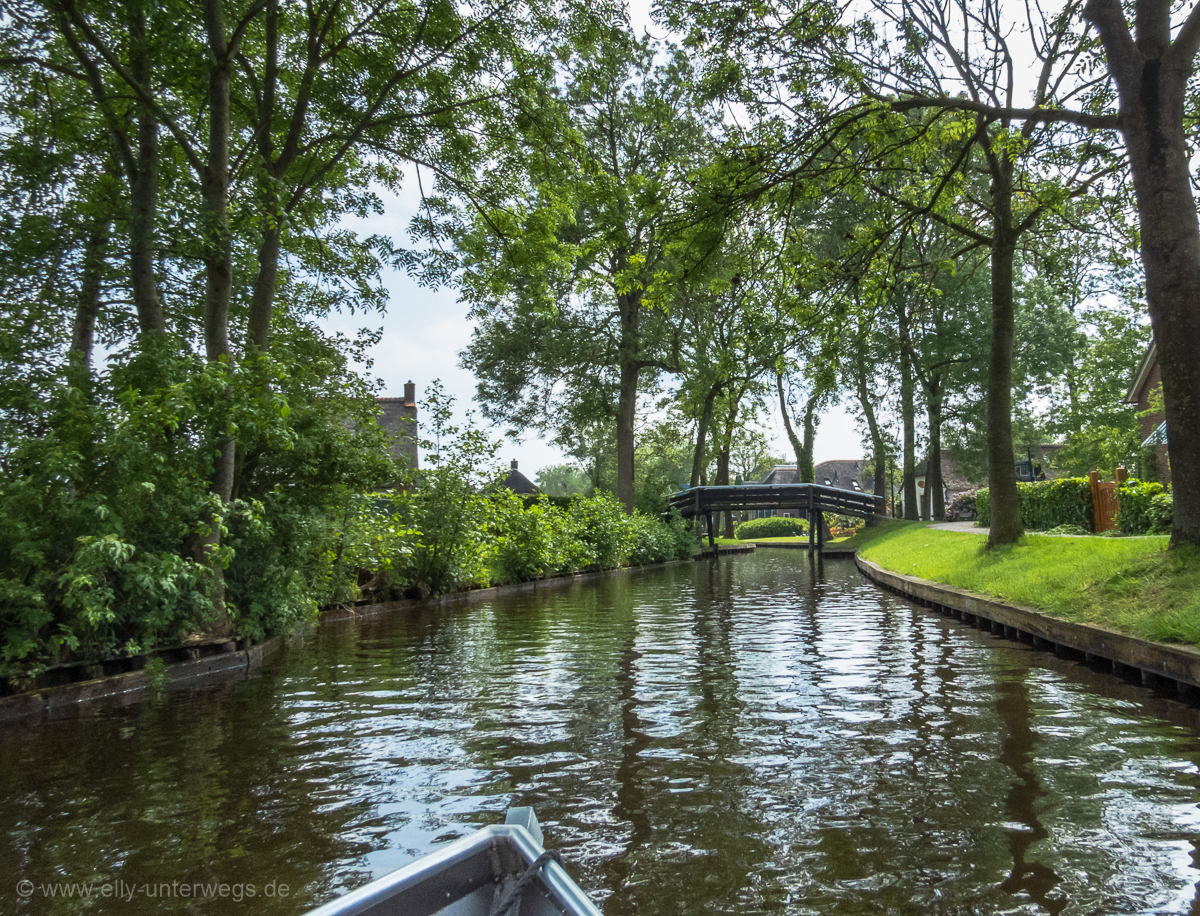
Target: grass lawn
1133,585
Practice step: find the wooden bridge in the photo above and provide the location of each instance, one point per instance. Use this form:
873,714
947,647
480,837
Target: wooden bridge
808,499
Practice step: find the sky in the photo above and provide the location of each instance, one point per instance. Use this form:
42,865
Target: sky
424,331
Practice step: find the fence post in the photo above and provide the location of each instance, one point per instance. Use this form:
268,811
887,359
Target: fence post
1121,475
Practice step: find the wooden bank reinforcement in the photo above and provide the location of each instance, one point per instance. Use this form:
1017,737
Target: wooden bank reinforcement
1162,666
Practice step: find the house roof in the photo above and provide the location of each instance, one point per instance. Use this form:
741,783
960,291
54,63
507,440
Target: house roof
1143,372
953,479
781,474
844,474
398,417
519,483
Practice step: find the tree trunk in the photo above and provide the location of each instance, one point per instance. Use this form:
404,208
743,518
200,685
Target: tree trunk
83,333
934,486
702,436
218,274
878,447
805,470
1005,526
262,296
797,445
723,456
629,306
908,411
1152,78
143,190
725,525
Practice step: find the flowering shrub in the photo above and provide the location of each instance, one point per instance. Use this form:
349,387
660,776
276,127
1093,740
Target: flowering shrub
962,507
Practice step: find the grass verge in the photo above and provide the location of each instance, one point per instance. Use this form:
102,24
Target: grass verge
1133,585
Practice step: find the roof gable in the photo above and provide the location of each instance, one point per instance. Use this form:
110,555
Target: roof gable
1145,367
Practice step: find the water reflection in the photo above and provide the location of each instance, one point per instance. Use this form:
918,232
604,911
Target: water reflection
761,735
1032,878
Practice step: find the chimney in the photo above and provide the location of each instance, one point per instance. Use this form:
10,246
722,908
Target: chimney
410,394
514,464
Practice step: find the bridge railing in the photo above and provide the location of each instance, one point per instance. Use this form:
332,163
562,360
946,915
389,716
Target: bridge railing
817,497
812,499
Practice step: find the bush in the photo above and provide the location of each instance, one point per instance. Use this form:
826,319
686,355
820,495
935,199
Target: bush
1047,504
775,527
603,530
1146,508
655,541
106,507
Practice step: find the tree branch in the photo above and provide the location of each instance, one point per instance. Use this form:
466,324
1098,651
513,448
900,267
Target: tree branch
996,113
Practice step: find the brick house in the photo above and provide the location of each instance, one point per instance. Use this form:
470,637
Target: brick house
1146,382
398,417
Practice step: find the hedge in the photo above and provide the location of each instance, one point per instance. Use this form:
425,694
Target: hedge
1047,504
1146,508
775,527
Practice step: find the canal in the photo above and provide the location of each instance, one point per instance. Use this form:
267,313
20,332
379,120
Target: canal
745,737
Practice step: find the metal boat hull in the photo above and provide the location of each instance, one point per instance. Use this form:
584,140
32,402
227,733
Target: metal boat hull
471,877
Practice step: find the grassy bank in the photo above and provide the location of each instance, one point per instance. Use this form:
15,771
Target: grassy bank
1128,584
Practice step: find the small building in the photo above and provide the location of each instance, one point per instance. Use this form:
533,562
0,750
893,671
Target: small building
1037,463
398,417
1147,386
519,483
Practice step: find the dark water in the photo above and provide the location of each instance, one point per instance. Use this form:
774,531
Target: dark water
743,738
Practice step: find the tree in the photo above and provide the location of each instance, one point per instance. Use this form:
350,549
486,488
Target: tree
562,480
901,101
195,164
1153,75
582,244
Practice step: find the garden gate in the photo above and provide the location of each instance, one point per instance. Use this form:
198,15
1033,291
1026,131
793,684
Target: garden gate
1104,499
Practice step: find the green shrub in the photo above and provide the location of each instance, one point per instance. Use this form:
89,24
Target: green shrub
1146,508
105,500
601,526
656,541
1050,503
531,539
1046,504
775,527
